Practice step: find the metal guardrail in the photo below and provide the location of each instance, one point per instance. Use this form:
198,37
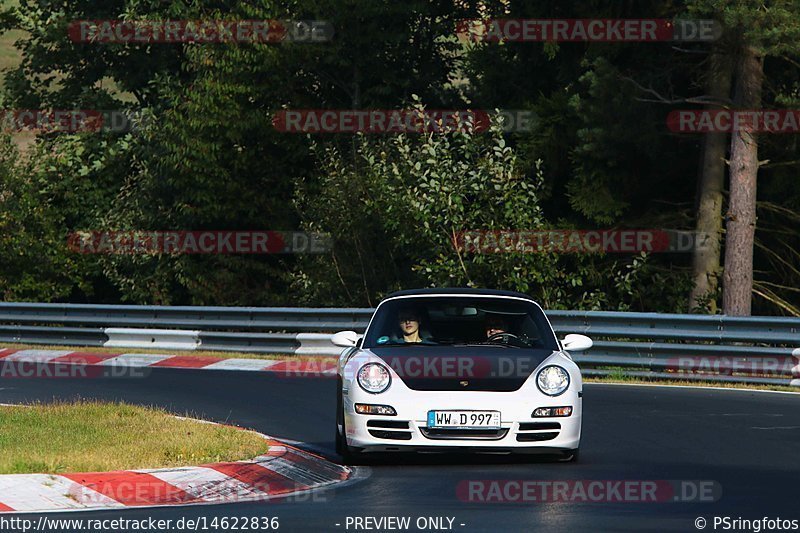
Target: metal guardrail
752,349
187,317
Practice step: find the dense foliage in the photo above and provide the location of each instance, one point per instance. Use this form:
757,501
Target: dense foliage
205,154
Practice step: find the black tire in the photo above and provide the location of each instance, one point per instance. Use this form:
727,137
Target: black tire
347,454
341,446
339,440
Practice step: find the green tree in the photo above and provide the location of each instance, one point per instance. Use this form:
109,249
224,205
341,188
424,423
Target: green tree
757,31
401,208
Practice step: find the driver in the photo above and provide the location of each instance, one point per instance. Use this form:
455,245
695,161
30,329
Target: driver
495,325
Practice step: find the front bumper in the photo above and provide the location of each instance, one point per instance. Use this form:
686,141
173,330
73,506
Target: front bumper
408,431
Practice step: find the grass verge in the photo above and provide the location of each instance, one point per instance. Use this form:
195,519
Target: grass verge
89,436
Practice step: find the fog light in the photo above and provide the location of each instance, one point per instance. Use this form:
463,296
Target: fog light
552,411
369,409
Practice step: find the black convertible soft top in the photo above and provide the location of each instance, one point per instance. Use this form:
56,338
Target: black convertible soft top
459,290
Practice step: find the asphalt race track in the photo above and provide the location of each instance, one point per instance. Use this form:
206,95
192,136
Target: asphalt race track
746,442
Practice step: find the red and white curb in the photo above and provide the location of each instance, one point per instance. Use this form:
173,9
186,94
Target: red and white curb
283,471
290,367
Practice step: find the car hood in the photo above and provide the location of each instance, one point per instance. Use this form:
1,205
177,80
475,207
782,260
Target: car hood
462,368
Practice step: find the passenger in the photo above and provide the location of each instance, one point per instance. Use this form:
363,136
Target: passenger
495,325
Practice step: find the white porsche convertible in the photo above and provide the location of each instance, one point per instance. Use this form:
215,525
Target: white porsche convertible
458,370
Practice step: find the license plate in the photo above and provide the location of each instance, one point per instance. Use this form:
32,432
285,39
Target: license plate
464,419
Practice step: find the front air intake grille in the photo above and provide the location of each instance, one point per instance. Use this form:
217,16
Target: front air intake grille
394,435
464,434
530,426
536,437
391,424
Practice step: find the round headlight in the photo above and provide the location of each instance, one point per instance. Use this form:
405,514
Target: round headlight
552,380
374,378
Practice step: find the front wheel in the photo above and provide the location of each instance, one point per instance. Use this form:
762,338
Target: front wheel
348,456
340,444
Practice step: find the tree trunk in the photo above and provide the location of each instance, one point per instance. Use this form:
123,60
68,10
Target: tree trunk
706,258
741,220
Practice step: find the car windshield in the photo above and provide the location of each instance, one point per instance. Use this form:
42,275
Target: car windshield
438,321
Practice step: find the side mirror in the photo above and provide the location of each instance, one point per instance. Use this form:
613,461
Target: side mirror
345,339
576,343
